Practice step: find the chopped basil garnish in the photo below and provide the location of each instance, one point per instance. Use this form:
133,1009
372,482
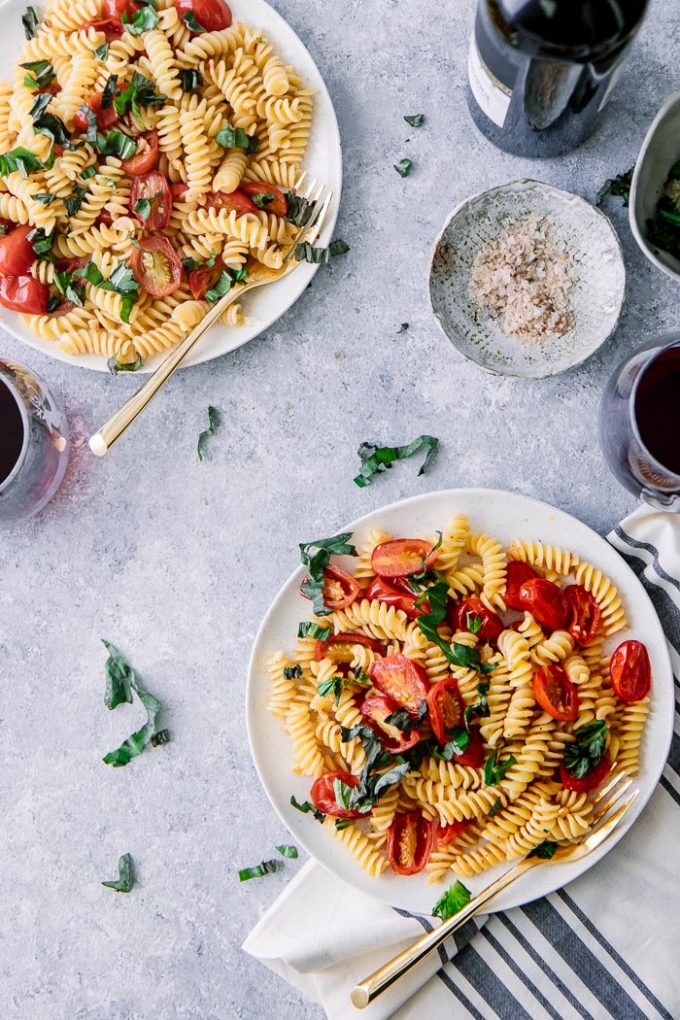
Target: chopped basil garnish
586,752
54,128
260,870
316,556
343,794
545,850
121,281
121,681
40,241
143,206
53,303
263,199
404,721
40,104
468,658
190,78
300,210
192,23
495,808
288,851
306,808
109,91
376,458
416,120
222,287
162,737
312,630
126,877
617,187
292,672
41,74
473,622
140,91
145,20
102,52
115,366
72,203
320,256
342,823
480,708
23,160
44,197
213,423
403,328
236,138
29,19
454,899
495,770
191,264
404,167
457,745
116,143
333,686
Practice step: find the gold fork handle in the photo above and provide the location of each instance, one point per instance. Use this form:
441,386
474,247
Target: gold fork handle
368,989
102,441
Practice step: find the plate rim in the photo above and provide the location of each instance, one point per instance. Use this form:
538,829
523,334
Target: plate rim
306,273
369,518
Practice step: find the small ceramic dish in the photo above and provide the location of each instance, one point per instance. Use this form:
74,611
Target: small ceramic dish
580,229
660,150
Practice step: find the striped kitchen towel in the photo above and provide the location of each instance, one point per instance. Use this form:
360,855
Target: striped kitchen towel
603,947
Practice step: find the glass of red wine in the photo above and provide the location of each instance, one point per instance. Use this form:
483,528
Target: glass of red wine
640,423
34,444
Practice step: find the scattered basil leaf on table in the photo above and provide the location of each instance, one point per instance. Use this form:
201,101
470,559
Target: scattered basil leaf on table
213,423
617,187
307,808
115,367
403,328
126,876
260,870
404,167
375,459
288,851
320,256
454,899
162,737
121,682
416,120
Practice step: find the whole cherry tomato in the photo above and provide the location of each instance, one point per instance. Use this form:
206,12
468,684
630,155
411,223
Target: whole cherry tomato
555,692
584,614
631,671
16,252
409,843
212,15
518,573
546,602
473,611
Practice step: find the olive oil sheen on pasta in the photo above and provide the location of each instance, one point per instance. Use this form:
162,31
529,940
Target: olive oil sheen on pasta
11,432
540,71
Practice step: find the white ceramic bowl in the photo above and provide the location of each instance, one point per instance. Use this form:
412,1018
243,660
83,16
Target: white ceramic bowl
660,150
597,298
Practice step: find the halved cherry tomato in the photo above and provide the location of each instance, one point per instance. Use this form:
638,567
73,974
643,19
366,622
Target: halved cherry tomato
340,589
518,573
589,782
376,708
409,843
546,602
338,647
322,795
555,692
446,708
16,252
584,614
111,27
203,279
156,265
445,834
153,187
631,671
146,156
382,591
105,118
116,8
212,15
278,205
402,556
474,754
237,200
402,679
491,625
24,294
179,190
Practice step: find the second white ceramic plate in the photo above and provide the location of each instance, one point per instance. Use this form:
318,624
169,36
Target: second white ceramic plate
323,161
506,515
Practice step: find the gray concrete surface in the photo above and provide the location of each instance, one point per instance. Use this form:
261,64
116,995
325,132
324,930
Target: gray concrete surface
177,561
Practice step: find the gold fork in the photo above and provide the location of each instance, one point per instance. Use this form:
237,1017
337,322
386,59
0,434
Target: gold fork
609,796
319,198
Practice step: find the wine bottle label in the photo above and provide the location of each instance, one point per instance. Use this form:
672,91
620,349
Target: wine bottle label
493,97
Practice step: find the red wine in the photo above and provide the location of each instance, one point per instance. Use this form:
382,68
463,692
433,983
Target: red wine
540,71
11,432
657,409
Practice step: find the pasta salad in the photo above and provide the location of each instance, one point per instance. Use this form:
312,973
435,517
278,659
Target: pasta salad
457,702
147,152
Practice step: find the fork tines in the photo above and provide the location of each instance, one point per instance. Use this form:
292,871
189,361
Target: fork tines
318,197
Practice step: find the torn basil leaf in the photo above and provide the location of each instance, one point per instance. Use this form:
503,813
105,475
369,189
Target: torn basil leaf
316,556
40,241
403,328
494,770
416,120
40,104
617,187
307,808
115,366
473,622
21,159
260,870
454,899
468,658
29,19
222,287
332,686
586,752
121,681
102,52
404,167
263,199
479,708
236,138
126,877
300,210
41,73
190,78
44,198
213,423
545,850
192,23
140,91
320,256
375,459
307,628
53,128
291,852
457,745
144,20
292,672
495,807
162,737
116,143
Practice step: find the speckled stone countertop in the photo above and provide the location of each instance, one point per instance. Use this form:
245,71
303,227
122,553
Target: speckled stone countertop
177,561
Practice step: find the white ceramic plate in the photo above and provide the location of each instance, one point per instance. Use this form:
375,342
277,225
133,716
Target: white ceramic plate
323,161
506,515
580,229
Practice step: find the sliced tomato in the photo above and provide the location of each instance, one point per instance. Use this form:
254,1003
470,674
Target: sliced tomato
445,834
278,205
490,626
375,708
117,8
111,27
588,782
409,843
382,591
518,573
203,279
585,615
338,646
212,15
16,252
146,156
555,692
631,671
237,200
340,589
179,190
24,294
474,754
156,266
546,602
105,118
402,679
402,556
446,708
155,189
322,795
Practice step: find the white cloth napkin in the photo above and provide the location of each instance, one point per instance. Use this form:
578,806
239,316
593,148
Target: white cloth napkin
603,947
